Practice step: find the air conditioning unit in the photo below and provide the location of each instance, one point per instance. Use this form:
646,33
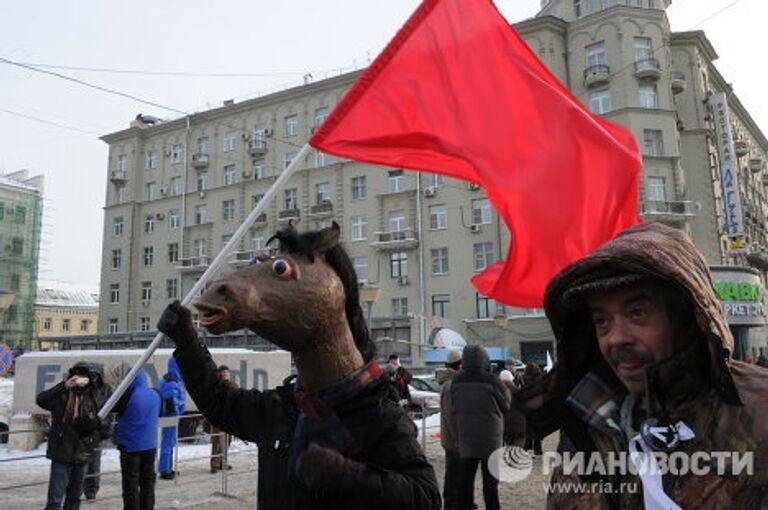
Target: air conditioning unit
163,191
473,186
246,174
245,136
430,191
166,151
145,302
160,216
402,280
475,228
268,132
202,194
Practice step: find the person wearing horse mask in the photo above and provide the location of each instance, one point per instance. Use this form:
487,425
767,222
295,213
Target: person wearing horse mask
644,369
336,441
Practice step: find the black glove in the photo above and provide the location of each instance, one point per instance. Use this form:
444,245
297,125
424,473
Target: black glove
176,324
326,471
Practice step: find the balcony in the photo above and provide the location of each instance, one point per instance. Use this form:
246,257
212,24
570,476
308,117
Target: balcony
257,147
193,264
678,82
758,256
261,220
647,69
288,215
597,75
118,177
741,148
399,240
200,160
242,258
673,212
322,210
756,165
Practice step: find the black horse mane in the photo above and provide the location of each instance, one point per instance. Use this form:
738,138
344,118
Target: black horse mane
313,244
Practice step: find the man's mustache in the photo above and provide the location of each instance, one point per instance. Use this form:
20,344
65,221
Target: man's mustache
630,354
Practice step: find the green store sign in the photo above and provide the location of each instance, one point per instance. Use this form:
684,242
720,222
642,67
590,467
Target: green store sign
738,291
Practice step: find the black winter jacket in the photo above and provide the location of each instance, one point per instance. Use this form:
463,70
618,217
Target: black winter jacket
386,438
74,443
479,403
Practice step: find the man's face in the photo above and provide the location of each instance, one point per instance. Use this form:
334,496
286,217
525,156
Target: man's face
633,330
394,362
225,375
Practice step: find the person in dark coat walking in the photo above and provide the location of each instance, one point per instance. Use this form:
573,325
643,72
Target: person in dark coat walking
533,373
174,396
138,412
479,403
75,431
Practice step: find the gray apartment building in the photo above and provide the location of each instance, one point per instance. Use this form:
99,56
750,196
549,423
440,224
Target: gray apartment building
178,189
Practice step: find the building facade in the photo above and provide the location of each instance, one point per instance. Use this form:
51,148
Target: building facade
64,309
21,210
177,190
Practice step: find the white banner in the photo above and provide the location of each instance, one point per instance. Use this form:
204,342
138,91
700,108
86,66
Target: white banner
729,175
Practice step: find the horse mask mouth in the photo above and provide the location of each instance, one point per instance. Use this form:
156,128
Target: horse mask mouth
211,315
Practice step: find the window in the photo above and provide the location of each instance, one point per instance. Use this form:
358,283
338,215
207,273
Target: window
400,307
150,191
149,256
2,211
359,188
440,305
201,214
648,96
600,101
117,258
288,158
398,264
259,140
577,8
396,181
230,141
143,323
438,217
439,261
596,55
361,268
65,324
290,199
177,151
122,163
173,252
255,199
15,282
225,239
175,186
47,323
481,211
199,246
114,293
359,228
151,160
259,168
323,192
174,219
146,292
604,4
149,224
172,288
229,175
653,142
320,115
122,195
291,126
84,325
321,159
485,307
656,189
112,326
436,180
202,180
483,255
21,214
397,222
643,49
257,241
12,315
202,146
17,246
228,210
117,226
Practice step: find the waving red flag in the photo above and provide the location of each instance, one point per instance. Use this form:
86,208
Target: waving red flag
458,92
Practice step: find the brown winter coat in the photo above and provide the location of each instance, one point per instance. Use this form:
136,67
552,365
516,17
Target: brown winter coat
725,402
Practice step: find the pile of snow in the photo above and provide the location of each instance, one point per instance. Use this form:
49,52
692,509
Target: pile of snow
6,398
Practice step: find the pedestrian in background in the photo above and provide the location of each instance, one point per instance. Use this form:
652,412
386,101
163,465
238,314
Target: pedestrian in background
219,439
514,419
533,373
138,412
479,403
174,395
448,439
75,431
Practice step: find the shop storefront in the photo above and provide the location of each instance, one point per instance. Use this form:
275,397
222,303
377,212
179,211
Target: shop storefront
742,294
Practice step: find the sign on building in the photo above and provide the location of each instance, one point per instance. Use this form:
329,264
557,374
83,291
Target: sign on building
742,295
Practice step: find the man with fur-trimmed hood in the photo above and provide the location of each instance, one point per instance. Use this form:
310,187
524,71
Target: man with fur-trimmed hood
644,366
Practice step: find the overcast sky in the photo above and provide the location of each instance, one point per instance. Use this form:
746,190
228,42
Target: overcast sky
276,42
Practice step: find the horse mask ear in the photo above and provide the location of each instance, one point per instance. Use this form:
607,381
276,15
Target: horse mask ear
326,239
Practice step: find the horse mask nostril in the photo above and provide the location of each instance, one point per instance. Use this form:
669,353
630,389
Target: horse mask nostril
222,289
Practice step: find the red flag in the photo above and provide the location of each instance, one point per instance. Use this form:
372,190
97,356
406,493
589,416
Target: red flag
458,92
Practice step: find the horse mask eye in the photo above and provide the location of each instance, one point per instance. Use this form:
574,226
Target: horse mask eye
282,269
